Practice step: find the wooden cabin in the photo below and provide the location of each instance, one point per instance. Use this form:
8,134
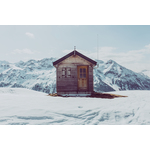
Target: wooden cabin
74,74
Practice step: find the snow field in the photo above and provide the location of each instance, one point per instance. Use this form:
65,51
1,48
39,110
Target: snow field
26,107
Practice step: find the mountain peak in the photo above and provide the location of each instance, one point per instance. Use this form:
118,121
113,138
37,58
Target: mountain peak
99,61
110,61
4,62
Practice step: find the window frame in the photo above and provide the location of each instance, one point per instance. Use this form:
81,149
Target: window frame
66,72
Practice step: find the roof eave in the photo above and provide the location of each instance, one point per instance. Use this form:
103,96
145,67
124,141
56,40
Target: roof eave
74,53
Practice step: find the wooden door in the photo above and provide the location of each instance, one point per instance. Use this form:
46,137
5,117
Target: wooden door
82,78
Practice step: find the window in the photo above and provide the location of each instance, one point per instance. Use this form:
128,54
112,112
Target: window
66,72
82,72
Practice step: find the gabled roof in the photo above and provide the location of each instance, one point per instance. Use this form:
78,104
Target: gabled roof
74,53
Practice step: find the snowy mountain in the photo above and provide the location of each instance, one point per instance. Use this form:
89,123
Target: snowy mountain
37,75
119,78
40,75
145,72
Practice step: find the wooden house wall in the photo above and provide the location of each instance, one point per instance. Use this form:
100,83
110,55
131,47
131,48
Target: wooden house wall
90,78
70,84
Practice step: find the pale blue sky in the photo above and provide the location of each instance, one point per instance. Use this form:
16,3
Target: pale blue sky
127,45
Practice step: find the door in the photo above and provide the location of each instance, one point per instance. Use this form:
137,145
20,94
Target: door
82,78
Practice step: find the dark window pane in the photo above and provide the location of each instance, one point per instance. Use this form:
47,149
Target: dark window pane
63,69
80,70
84,70
84,75
80,75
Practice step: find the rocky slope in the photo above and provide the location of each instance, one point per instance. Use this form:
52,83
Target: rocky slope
37,75
119,78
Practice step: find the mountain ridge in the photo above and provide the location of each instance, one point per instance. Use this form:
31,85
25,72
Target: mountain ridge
40,75
121,78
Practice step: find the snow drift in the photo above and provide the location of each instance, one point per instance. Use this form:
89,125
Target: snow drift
27,107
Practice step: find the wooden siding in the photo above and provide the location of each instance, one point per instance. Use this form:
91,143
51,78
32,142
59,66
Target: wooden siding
74,53
90,78
66,84
70,84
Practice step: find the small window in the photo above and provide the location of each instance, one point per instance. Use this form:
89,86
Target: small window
80,75
82,72
84,75
66,72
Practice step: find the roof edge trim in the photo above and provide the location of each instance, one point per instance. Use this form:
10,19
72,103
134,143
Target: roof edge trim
76,53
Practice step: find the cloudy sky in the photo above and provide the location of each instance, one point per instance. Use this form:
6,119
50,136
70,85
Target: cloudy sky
127,45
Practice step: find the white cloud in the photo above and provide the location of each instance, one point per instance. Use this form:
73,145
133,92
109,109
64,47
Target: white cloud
135,60
148,46
31,35
67,51
23,51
